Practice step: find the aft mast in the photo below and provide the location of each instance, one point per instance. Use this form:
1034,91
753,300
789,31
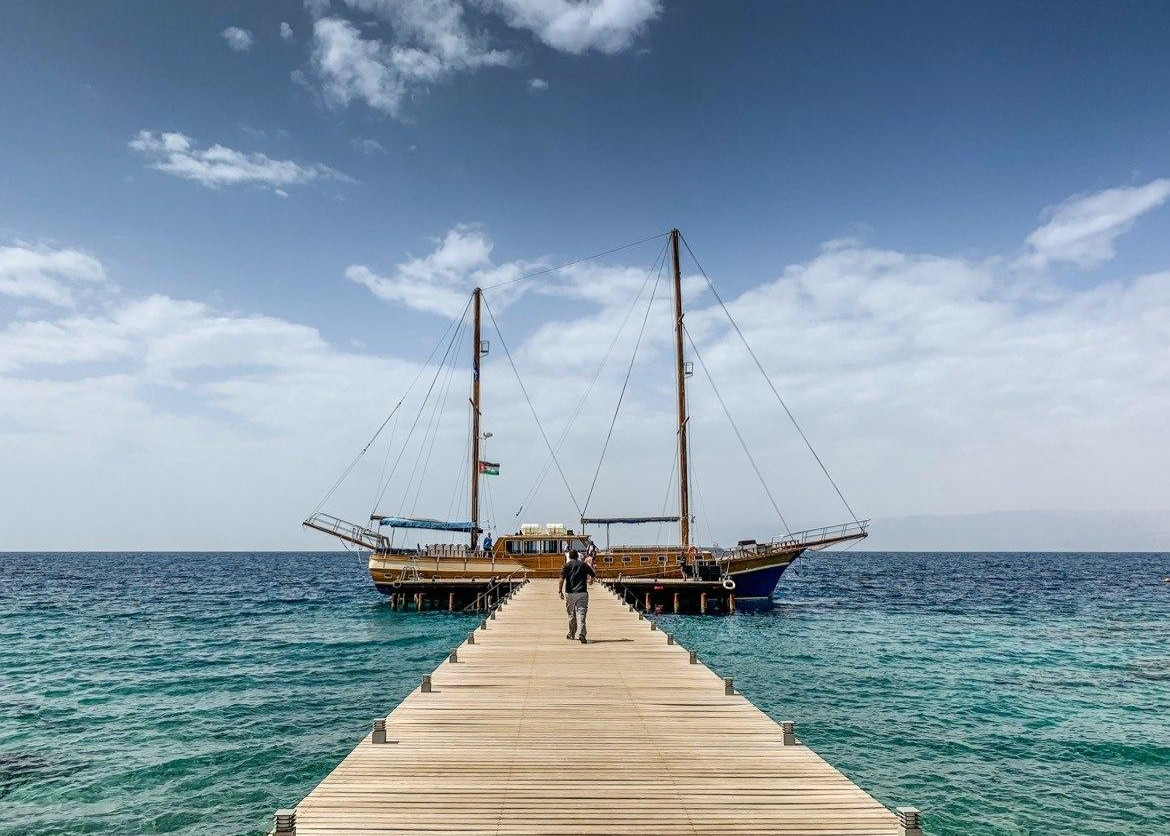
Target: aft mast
476,350
684,510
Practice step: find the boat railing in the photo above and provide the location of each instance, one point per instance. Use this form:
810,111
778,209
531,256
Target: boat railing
493,589
825,534
351,532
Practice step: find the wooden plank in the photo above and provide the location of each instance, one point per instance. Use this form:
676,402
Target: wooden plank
529,733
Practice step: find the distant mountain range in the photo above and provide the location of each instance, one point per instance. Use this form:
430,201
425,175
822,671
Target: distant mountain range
1064,531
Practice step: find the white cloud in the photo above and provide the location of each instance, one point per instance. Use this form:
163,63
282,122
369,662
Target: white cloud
286,31
929,384
577,26
1082,229
368,146
537,84
215,166
238,40
440,282
317,8
46,274
432,45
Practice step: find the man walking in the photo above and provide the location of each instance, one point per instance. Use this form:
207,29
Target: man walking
576,575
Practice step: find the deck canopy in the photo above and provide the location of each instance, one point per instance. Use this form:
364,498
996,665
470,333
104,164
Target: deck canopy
626,520
432,525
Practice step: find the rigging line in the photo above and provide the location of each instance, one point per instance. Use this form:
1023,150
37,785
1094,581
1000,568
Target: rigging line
592,382
385,462
622,394
771,385
461,483
696,482
531,408
666,496
547,270
410,434
374,437
436,423
443,376
738,434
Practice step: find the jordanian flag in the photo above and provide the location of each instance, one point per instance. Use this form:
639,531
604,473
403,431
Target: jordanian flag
489,468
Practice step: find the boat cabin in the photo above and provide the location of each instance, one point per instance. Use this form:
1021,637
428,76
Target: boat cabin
536,539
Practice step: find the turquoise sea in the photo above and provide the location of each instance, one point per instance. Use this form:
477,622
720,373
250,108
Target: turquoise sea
196,693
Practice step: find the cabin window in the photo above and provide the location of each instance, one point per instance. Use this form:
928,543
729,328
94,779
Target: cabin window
607,559
551,546
625,558
512,546
532,547
645,558
662,558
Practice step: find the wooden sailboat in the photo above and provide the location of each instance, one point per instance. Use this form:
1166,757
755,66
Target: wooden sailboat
748,572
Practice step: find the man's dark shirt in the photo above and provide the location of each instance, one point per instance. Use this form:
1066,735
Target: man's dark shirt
575,574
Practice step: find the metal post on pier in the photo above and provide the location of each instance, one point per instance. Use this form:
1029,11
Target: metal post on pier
908,822
285,823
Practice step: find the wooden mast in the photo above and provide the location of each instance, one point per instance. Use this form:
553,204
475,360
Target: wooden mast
475,355
684,505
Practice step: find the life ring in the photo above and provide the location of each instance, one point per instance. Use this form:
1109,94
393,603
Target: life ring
728,584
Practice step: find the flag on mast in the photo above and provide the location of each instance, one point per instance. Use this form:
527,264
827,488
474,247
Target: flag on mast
489,468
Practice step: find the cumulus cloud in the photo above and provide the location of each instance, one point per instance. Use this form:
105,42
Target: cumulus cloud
286,31
45,274
431,42
928,382
368,146
537,84
217,165
238,40
1082,230
440,282
432,45
577,26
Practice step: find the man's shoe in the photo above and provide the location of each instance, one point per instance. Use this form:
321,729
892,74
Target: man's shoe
570,636
583,639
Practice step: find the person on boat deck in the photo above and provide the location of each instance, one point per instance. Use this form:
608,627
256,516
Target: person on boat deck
487,544
576,576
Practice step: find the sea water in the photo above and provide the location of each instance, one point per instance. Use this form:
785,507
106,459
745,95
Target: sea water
196,693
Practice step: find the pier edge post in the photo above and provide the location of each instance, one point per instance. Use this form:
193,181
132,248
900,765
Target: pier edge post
471,637
728,686
285,823
694,658
788,731
378,735
653,626
908,821
425,687
669,639
454,656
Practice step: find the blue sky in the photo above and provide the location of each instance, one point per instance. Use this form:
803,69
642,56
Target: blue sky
193,166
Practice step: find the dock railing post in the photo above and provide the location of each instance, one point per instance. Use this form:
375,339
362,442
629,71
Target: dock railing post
694,658
454,656
378,735
788,731
908,822
286,823
471,637
728,685
425,687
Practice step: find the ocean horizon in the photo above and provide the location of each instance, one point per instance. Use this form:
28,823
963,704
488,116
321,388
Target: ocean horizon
192,693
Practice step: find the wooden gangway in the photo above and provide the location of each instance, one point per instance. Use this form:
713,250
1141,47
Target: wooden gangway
524,732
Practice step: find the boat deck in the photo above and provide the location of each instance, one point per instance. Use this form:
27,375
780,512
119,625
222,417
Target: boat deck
529,733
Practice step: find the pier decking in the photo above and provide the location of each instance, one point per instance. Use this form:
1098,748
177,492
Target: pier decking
525,732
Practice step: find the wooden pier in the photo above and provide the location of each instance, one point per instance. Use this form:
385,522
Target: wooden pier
520,731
